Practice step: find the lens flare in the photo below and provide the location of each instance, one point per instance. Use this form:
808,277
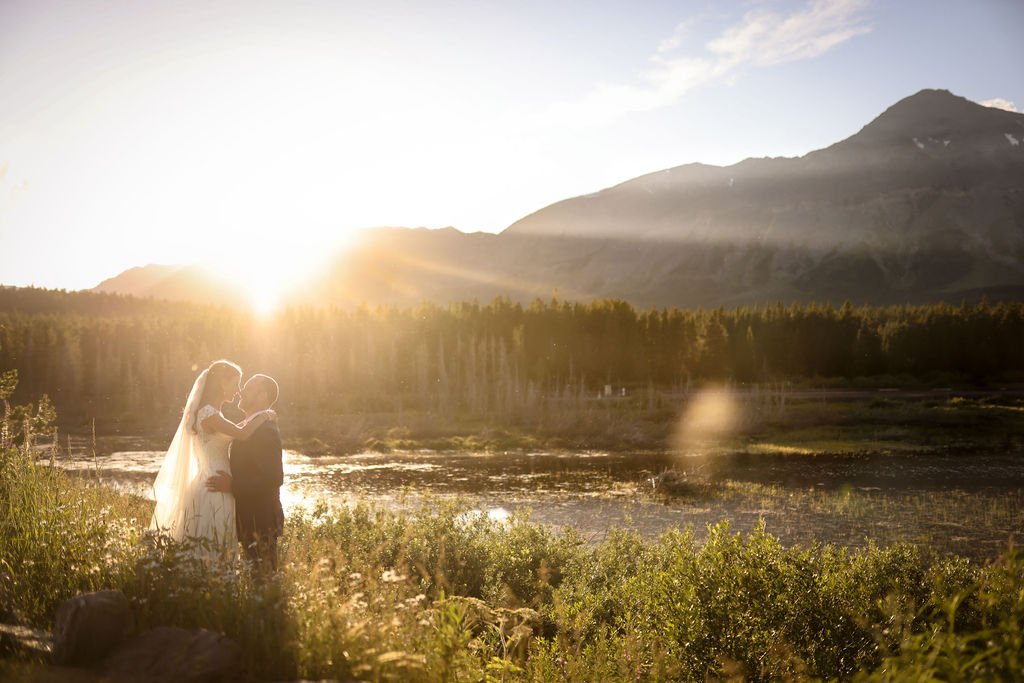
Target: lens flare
711,416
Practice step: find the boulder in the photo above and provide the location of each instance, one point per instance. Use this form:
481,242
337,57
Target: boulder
169,654
90,626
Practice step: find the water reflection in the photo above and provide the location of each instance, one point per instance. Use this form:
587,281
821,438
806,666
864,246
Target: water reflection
594,492
591,490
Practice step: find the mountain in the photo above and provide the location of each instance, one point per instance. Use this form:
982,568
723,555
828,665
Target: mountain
187,283
924,203
932,143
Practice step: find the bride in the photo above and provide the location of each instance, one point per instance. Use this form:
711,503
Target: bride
185,509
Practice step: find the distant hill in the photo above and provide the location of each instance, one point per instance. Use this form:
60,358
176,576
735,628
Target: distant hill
181,283
924,203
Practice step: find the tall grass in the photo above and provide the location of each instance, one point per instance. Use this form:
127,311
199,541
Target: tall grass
447,594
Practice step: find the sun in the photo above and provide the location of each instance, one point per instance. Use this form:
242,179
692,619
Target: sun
265,299
268,279
275,261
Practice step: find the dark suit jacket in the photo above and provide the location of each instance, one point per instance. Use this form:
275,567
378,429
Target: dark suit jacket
257,474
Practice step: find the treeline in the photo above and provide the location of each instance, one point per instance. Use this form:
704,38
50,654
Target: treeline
125,357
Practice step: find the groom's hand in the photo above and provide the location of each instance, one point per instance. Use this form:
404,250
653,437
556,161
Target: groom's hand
220,482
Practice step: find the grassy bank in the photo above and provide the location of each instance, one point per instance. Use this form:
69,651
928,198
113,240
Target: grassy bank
975,525
807,421
763,420
447,594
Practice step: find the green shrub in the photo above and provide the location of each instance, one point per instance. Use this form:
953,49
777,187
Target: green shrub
59,536
431,594
979,637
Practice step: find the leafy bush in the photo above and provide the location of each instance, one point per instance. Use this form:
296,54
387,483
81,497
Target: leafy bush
58,536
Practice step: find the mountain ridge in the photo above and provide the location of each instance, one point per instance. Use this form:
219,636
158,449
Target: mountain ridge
924,203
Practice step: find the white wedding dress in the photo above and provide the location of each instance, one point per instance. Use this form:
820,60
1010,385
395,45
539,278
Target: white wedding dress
185,509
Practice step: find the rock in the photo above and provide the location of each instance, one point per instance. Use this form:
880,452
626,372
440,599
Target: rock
170,654
90,626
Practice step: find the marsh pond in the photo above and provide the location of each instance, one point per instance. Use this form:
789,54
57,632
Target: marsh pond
967,503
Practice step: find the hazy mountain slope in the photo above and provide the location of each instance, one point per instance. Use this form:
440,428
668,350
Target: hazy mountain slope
930,143
185,283
924,203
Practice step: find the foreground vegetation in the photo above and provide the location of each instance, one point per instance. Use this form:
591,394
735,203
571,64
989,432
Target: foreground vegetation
446,594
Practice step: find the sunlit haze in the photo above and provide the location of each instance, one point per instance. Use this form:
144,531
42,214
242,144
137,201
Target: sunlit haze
251,135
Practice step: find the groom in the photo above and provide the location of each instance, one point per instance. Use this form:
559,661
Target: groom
256,476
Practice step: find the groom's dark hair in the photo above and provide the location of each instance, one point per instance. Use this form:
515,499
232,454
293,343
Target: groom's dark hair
269,386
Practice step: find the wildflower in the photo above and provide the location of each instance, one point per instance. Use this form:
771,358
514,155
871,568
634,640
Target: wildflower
413,602
391,576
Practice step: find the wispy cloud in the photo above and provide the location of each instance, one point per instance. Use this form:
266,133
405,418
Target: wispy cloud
999,103
765,38
761,39
677,37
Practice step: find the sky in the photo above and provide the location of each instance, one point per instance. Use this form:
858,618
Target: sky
245,133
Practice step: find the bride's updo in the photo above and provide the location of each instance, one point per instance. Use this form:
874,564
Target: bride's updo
219,372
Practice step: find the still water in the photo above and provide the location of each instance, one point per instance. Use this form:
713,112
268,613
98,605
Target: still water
592,491
965,503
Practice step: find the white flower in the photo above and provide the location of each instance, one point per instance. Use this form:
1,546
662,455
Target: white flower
391,576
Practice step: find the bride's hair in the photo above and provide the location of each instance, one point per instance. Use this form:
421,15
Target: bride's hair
217,372
219,369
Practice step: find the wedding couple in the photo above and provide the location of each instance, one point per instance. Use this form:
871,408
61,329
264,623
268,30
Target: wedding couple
220,481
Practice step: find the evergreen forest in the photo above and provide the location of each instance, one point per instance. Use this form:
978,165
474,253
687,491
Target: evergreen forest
109,357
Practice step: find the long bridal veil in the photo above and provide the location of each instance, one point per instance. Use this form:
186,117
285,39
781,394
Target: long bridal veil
180,467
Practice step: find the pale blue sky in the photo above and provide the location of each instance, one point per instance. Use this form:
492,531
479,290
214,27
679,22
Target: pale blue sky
136,132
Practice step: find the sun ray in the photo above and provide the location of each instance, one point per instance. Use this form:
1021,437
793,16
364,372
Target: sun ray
501,282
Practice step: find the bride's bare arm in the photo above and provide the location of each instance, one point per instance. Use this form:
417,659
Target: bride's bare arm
218,423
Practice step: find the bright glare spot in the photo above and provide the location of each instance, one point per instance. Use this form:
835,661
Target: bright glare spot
498,514
265,280
271,277
295,499
710,417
